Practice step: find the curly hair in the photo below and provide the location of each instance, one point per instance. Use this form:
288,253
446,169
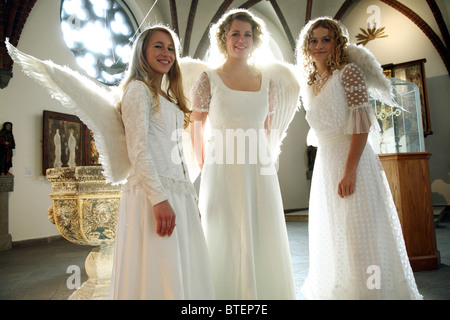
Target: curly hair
339,57
218,32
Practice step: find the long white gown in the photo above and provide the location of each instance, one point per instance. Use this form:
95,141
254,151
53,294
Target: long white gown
147,266
240,201
356,246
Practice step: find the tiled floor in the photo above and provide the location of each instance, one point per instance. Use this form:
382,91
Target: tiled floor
40,271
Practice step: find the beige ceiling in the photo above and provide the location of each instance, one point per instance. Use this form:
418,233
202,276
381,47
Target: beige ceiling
284,19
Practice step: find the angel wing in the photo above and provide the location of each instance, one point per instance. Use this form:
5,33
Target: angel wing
287,102
93,103
379,85
190,70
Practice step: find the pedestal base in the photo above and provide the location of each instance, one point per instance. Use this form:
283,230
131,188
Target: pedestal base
5,242
98,266
6,186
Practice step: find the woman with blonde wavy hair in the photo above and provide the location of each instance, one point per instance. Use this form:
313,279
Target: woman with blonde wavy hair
356,246
160,248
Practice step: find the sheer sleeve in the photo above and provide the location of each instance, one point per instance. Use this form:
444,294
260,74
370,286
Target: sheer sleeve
201,94
361,115
137,108
272,106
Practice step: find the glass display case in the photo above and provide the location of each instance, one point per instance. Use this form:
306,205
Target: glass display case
401,130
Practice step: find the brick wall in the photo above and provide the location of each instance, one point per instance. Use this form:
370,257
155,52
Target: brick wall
13,16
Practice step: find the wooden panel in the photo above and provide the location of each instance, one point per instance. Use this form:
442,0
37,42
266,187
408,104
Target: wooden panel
409,180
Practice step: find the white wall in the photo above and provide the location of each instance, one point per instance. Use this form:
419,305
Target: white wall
405,41
22,103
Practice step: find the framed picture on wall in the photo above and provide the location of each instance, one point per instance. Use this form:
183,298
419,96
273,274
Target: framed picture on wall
413,71
67,142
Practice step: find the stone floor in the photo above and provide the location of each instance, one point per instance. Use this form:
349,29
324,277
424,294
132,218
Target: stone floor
39,272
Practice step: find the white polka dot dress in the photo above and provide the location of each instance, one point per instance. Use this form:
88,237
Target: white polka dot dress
356,244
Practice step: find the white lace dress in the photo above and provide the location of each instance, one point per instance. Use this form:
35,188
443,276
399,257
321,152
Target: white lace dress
356,246
147,266
240,201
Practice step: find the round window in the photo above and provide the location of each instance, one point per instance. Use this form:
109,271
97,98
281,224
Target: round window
99,34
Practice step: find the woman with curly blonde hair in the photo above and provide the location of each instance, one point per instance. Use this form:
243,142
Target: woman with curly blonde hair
337,58
356,246
218,35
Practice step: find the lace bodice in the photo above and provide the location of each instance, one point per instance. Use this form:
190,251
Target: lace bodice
154,143
341,106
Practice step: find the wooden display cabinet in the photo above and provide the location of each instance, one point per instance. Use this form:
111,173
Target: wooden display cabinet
409,180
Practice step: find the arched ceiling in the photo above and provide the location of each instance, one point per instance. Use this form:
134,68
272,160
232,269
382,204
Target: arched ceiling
191,20
285,18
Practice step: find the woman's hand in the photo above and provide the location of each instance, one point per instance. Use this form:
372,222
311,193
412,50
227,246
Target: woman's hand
165,218
347,185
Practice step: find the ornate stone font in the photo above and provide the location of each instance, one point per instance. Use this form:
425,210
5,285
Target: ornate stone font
84,211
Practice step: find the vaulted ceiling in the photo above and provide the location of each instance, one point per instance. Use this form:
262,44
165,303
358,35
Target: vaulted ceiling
191,20
288,16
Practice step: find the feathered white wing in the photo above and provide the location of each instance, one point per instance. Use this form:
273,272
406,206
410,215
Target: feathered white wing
287,101
379,86
94,103
287,92
190,70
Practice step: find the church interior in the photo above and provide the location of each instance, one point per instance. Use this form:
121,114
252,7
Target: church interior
409,38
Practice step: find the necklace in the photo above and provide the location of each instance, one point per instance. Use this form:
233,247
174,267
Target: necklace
320,81
322,76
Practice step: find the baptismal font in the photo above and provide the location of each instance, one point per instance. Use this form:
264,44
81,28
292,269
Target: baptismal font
84,210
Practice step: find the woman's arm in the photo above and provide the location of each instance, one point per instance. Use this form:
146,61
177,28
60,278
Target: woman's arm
200,100
347,185
198,126
360,122
137,105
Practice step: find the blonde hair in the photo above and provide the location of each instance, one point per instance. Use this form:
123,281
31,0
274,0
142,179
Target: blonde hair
218,32
139,69
339,57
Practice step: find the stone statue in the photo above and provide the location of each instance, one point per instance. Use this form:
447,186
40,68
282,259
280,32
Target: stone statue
72,146
57,141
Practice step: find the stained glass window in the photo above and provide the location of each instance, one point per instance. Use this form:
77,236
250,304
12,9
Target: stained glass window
99,34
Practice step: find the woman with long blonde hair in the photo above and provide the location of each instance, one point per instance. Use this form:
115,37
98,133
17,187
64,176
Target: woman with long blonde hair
160,249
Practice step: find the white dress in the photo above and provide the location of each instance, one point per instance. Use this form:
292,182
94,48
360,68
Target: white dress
356,246
239,199
147,266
